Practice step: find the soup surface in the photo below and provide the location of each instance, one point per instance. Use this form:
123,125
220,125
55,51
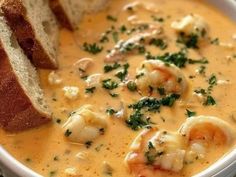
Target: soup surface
139,66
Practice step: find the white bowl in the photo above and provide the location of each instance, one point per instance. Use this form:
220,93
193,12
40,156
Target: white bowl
224,167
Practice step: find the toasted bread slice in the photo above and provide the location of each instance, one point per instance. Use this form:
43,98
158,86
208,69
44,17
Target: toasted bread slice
22,105
36,29
69,12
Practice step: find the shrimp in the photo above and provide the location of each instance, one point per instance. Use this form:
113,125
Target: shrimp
207,129
191,24
84,125
203,131
156,150
131,46
156,74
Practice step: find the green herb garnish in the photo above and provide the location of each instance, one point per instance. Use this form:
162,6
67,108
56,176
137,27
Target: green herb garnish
90,90
190,113
92,48
109,84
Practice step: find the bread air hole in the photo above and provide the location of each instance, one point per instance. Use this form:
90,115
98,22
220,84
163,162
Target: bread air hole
47,27
13,42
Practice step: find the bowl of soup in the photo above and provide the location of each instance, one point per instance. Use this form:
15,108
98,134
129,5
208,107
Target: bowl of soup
144,88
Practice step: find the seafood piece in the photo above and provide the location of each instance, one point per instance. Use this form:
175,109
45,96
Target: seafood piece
191,24
207,129
84,125
94,80
137,5
82,65
134,45
54,78
153,150
156,74
71,92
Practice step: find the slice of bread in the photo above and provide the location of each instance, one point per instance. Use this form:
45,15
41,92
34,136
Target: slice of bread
22,105
36,29
69,12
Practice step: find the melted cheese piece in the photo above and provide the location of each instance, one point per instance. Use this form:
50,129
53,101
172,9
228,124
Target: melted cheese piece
48,152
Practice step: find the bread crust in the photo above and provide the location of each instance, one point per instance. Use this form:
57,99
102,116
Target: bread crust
60,14
15,13
17,112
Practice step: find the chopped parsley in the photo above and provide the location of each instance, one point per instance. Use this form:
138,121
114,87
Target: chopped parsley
115,36
157,19
139,75
215,41
122,74
152,154
190,113
179,59
68,133
111,18
109,84
158,43
200,91
190,41
90,90
88,144
153,104
52,173
111,111
210,101
123,29
169,100
131,85
58,121
200,61
114,95
137,121
108,68
212,80
161,91
104,38
202,70
92,48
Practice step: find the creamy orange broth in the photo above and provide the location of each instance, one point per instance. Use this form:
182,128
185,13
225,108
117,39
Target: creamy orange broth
49,153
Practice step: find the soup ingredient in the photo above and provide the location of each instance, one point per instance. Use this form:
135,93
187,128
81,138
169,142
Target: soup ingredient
192,24
54,78
94,80
134,45
84,125
207,129
164,150
154,150
71,92
157,74
82,65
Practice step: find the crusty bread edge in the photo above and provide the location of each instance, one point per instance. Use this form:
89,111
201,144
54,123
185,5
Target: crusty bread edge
60,14
16,17
17,112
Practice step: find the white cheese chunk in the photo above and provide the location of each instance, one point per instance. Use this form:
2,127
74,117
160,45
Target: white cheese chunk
71,92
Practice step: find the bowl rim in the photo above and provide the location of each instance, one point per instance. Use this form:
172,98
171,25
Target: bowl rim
223,167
